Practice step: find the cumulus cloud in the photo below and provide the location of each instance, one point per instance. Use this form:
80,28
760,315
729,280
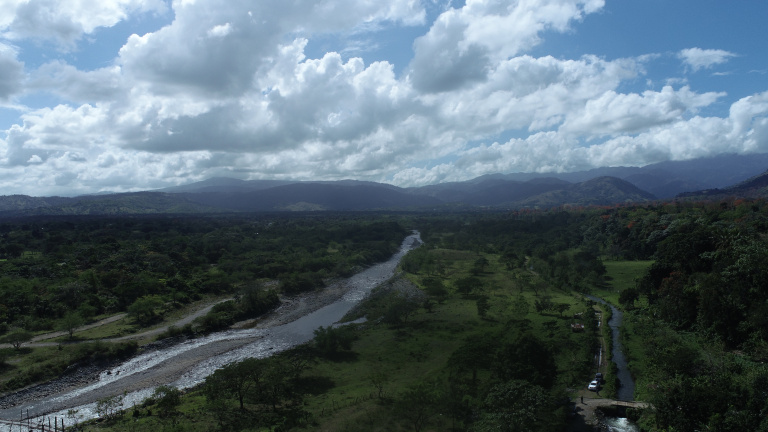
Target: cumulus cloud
219,50
464,44
744,131
65,21
228,89
697,58
11,72
613,113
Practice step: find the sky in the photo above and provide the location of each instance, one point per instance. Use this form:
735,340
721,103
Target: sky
127,95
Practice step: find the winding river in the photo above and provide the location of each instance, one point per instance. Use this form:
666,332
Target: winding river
181,365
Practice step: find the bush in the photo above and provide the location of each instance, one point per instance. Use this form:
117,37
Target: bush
329,341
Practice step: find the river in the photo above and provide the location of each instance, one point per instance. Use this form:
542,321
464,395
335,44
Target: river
626,390
189,363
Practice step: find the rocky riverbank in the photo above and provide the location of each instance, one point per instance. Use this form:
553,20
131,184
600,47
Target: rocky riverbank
77,376
185,363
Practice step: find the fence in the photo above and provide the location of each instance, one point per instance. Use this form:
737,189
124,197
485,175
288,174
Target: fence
42,424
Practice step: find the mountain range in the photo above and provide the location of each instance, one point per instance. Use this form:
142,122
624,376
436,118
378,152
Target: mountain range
710,178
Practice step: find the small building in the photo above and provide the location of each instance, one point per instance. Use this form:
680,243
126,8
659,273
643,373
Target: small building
576,327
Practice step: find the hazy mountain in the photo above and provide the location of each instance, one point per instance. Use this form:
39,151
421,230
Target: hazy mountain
670,178
24,202
712,177
224,184
755,187
490,191
597,191
340,196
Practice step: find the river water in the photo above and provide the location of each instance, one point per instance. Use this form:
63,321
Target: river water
137,378
626,390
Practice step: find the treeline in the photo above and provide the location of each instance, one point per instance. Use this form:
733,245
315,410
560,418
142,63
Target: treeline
97,265
470,339
698,319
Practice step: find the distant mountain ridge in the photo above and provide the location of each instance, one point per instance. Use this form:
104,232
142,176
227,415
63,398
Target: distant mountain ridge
725,175
754,187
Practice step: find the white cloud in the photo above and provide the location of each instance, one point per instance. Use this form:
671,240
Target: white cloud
227,88
613,113
11,72
65,21
697,58
182,57
463,45
744,131
220,30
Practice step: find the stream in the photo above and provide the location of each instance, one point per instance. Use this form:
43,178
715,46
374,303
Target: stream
626,390
187,364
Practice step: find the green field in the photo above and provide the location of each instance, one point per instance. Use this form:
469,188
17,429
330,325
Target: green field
620,276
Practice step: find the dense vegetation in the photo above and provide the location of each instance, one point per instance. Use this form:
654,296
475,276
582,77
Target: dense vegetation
59,273
476,333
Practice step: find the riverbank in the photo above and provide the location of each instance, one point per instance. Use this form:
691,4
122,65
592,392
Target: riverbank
290,309
185,363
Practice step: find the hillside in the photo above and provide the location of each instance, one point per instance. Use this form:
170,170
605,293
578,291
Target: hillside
710,178
755,187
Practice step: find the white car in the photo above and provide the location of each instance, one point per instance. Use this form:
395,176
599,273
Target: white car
594,385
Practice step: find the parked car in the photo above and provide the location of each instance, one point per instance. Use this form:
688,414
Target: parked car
599,378
594,385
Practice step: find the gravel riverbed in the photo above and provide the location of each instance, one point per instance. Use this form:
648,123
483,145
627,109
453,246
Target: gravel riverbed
170,361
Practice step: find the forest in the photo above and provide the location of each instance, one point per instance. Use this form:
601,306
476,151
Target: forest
474,334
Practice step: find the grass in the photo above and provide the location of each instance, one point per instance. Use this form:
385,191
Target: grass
126,326
620,276
346,398
30,365
421,350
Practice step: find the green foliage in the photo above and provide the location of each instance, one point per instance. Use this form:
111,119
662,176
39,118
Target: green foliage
110,407
167,399
144,309
70,322
515,406
418,404
17,338
467,285
331,341
482,306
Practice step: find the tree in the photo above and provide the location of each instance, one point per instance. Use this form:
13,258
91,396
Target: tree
109,407
526,358
435,288
378,377
399,310
236,380
70,323
478,267
482,306
514,406
298,360
143,309
520,307
17,337
167,399
561,307
543,304
466,285
418,404
628,297
329,340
